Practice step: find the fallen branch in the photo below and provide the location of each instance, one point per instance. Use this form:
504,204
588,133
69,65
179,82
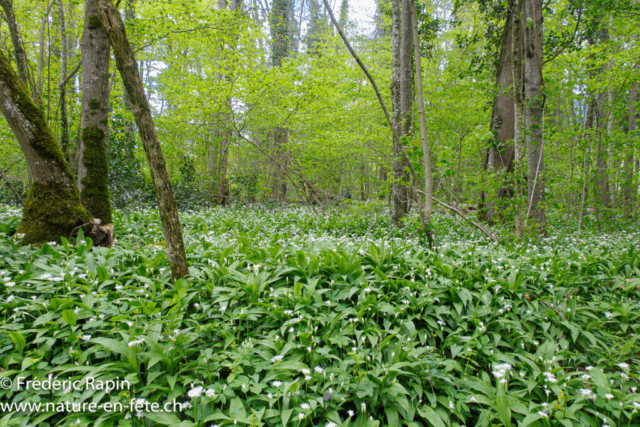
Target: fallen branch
476,224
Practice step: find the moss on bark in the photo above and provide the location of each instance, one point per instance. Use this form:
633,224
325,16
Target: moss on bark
50,212
95,185
43,141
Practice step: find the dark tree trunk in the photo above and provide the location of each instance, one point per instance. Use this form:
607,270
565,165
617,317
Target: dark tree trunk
534,113
499,156
53,207
602,156
128,67
518,104
93,171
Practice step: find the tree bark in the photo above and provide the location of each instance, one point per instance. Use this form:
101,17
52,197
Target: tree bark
400,196
534,113
18,48
516,7
64,121
630,190
426,150
53,207
128,67
499,156
280,51
93,166
602,177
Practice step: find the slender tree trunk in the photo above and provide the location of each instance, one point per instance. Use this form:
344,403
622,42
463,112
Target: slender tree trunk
499,156
534,113
280,51
426,150
18,48
53,208
399,188
128,67
64,121
516,6
602,178
93,166
630,190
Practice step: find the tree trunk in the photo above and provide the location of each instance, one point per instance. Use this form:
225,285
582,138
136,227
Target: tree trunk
426,150
53,207
629,190
128,67
93,166
18,48
399,191
602,178
280,51
64,121
534,113
499,156
516,6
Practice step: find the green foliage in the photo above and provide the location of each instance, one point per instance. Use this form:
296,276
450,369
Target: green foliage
292,318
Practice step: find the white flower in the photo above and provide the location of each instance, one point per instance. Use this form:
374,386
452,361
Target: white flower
85,338
330,424
588,368
300,415
210,393
9,284
306,371
609,396
195,392
276,384
318,369
351,413
451,406
623,365
270,396
305,406
291,330
550,377
10,298
608,315
543,414
135,342
275,359
363,407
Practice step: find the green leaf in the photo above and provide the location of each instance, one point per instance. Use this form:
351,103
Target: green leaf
18,340
431,416
286,415
69,317
164,418
502,406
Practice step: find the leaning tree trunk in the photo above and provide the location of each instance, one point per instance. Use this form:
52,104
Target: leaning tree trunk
534,113
53,207
93,171
499,155
128,67
18,48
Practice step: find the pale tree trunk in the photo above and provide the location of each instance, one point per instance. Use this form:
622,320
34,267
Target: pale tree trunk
602,178
18,49
43,26
499,156
427,208
53,208
534,113
629,191
399,188
280,51
516,6
128,67
93,166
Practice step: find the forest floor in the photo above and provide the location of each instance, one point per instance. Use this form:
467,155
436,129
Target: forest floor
332,319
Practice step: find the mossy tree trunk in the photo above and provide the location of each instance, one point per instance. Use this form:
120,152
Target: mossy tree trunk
128,67
64,119
93,172
53,207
